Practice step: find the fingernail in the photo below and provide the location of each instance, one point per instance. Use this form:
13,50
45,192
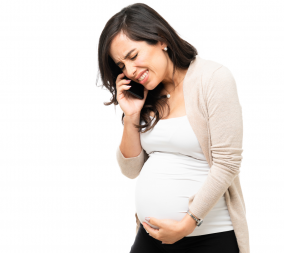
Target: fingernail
147,218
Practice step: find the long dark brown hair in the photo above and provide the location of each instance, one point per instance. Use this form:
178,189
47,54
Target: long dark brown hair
139,22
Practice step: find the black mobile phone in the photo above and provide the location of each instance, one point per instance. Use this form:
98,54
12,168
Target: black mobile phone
136,89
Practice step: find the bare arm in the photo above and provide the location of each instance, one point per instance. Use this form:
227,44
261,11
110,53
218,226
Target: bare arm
130,145
129,154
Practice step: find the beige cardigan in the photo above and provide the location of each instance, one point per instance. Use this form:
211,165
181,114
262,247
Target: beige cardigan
215,115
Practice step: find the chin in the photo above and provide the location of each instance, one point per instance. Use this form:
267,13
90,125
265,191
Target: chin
150,87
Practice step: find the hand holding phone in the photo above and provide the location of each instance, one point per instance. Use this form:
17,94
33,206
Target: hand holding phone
136,89
131,95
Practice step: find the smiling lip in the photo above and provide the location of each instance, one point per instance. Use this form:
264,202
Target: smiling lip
145,79
141,74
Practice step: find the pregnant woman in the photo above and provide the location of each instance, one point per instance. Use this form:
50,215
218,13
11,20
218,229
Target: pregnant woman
182,141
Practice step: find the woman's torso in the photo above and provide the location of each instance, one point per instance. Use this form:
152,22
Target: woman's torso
175,170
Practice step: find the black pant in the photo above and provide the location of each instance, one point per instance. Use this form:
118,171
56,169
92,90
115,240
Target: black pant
222,242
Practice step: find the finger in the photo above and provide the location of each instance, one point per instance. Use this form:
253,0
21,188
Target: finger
121,74
149,227
122,85
152,231
119,77
125,87
122,82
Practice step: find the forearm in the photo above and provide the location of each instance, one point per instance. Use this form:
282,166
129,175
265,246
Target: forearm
130,145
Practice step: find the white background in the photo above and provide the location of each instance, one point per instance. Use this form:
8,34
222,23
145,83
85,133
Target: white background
61,189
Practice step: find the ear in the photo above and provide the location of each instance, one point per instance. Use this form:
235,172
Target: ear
161,43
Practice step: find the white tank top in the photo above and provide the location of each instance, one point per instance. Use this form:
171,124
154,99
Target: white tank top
175,170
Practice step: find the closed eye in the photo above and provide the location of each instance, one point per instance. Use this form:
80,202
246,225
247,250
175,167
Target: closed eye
131,59
134,57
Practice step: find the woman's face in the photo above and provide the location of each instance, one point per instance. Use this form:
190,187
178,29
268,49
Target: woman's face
144,57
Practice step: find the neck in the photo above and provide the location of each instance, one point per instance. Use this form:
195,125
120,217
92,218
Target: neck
171,87
171,82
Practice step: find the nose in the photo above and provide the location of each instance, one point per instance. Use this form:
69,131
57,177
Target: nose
131,71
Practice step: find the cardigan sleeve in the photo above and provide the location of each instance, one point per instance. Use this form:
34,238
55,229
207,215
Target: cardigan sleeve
225,128
131,167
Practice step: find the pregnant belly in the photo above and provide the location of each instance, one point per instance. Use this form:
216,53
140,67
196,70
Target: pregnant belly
164,188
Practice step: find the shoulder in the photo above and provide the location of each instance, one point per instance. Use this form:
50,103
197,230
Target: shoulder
209,68
213,73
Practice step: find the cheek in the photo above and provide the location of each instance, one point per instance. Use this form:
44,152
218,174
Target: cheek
143,62
140,62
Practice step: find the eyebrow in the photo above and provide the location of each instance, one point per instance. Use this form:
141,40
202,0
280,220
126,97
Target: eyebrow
126,55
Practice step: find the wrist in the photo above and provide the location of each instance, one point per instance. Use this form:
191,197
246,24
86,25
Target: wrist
134,115
198,221
194,215
187,225
132,118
